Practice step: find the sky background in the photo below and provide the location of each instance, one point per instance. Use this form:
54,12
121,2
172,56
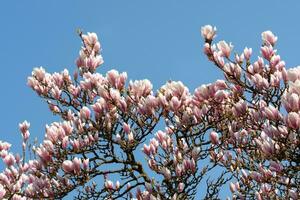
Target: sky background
157,40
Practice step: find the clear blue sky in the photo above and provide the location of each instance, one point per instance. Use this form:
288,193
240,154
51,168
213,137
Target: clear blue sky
158,40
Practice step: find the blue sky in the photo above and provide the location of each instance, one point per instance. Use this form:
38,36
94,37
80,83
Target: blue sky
158,40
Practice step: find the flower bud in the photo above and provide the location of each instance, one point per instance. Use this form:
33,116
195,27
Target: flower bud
214,137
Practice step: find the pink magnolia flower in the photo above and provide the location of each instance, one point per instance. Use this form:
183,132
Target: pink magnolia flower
232,187
219,59
225,48
291,102
85,113
247,53
112,77
175,104
44,154
166,172
214,137
126,128
272,113
275,166
65,142
117,185
85,163
109,185
293,74
179,170
140,88
39,73
292,120
4,145
269,38
77,164
130,137
24,126
147,149
9,160
208,32
68,166
267,52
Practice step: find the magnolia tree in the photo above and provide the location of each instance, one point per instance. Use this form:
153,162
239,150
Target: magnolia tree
120,140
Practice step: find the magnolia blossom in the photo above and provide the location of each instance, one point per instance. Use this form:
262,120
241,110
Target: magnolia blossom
269,38
247,53
208,32
225,48
214,137
68,166
85,113
293,74
109,185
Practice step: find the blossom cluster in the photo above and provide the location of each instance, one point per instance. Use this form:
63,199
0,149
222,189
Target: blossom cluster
244,130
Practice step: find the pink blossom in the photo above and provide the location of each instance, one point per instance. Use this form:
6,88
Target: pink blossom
9,160
274,60
68,166
75,144
147,149
109,185
77,164
126,128
292,120
39,73
221,95
269,38
160,135
275,166
85,163
166,172
247,53
90,38
115,94
294,87
85,113
267,52
65,142
208,32
117,185
214,137
225,48
112,77
67,127
130,137
175,104
24,126
293,74
4,145
179,170
291,102
272,113
44,154
232,187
